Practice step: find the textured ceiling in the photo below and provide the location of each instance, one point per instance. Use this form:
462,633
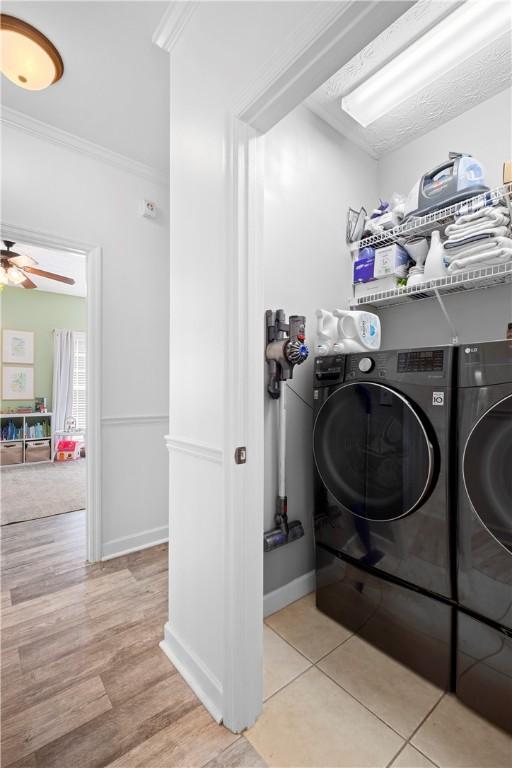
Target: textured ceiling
487,72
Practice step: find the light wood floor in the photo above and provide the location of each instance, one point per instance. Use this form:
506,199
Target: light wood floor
84,683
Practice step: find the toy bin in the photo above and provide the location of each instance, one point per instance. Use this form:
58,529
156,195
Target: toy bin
11,453
37,450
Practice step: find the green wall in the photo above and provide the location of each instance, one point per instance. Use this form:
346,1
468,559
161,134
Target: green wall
41,312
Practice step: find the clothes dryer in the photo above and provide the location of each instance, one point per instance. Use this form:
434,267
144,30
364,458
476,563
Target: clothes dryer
484,647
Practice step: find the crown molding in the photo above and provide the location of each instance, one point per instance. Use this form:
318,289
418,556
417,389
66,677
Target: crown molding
172,24
328,36
30,125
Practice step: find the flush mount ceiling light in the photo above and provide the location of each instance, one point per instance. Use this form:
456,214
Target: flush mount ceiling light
29,59
457,37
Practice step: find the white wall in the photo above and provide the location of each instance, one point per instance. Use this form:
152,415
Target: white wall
312,175
59,191
485,131
217,55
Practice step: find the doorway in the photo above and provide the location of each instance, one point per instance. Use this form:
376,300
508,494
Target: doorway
50,375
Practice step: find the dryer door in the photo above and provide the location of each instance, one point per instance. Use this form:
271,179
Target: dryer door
372,451
487,471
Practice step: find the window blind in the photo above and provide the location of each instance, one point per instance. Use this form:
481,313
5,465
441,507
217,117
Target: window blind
80,380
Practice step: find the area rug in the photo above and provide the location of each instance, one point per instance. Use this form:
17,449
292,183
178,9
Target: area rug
41,490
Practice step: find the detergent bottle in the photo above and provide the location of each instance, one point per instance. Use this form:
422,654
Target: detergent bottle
326,332
358,331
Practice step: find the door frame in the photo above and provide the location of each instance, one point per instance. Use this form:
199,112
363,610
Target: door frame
329,36
93,256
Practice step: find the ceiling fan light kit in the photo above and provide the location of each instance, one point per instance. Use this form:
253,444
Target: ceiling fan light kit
28,58
14,266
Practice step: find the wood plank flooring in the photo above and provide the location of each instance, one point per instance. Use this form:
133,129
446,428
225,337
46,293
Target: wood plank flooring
84,683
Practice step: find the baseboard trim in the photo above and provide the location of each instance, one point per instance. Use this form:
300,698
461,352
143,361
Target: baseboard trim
127,544
205,685
289,593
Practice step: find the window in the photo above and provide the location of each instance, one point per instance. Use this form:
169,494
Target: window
79,411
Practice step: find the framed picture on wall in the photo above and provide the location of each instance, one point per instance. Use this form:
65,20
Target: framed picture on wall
17,383
18,347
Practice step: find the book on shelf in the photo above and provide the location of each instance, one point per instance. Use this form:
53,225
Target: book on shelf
11,431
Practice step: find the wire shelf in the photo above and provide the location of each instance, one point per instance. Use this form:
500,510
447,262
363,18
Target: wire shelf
425,225
476,279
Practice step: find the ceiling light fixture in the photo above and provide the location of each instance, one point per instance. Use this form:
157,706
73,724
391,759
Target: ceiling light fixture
457,37
28,58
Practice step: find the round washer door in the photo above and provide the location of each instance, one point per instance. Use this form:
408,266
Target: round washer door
487,471
372,451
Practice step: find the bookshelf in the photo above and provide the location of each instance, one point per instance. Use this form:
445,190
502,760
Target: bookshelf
26,438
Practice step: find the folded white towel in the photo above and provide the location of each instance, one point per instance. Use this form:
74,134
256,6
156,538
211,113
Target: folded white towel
492,231
477,226
489,212
482,246
485,259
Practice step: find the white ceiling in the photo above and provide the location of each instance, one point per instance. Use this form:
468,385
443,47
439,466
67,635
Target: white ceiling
61,263
486,73
115,88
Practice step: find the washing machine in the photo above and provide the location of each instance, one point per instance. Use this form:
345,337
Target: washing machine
384,529
484,445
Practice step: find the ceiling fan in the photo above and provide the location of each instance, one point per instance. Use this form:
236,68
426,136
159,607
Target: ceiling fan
14,265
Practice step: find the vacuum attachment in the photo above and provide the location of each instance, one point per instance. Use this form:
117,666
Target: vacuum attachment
285,349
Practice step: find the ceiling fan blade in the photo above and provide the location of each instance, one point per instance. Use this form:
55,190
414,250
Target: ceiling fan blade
19,260
49,275
27,283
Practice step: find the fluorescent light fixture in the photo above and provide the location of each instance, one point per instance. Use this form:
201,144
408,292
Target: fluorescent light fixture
458,36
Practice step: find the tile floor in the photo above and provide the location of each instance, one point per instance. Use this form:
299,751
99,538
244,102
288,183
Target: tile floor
331,699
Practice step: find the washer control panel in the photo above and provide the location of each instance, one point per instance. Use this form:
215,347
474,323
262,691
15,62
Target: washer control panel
362,365
330,368
420,360
366,364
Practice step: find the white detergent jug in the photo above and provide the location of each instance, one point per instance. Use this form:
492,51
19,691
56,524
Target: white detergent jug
358,331
326,332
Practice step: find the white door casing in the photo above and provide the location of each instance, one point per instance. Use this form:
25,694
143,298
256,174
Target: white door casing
93,256
284,53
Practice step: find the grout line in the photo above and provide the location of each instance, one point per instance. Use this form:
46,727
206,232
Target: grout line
327,675
388,765
444,693
292,680
351,635
288,643
303,654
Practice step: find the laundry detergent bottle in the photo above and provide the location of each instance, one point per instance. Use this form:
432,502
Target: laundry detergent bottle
358,331
326,332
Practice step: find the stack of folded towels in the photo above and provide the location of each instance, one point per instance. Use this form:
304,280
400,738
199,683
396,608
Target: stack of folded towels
479,239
